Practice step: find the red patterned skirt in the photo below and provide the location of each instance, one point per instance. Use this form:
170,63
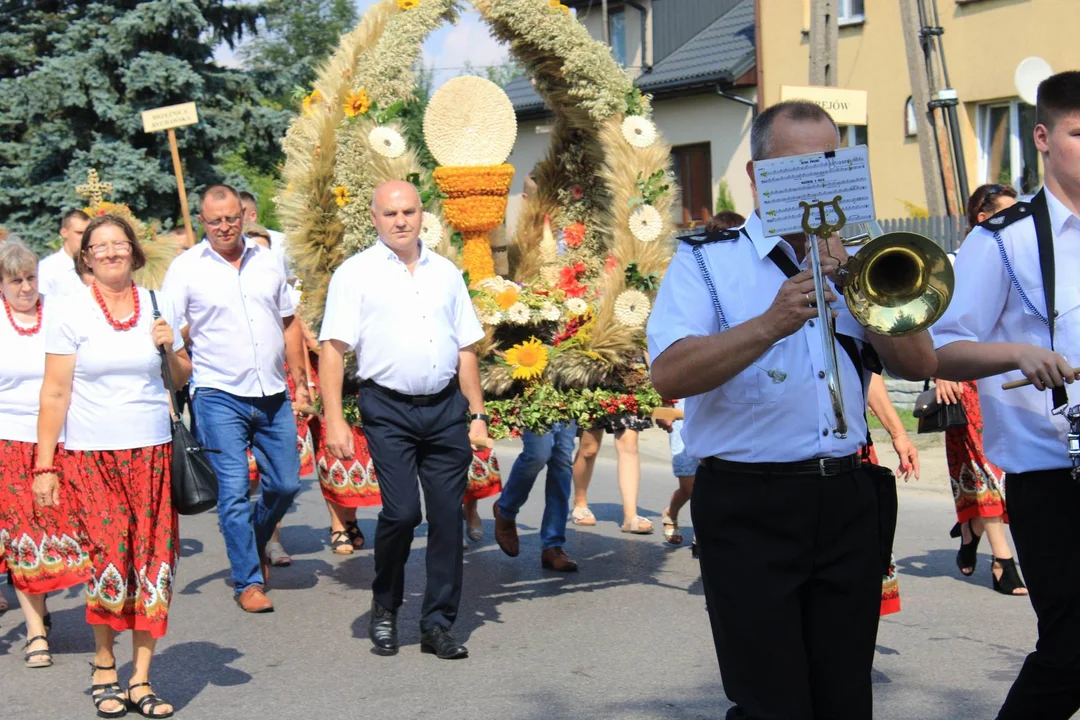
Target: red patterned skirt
978,486
890,583
126,510
43,548
353,484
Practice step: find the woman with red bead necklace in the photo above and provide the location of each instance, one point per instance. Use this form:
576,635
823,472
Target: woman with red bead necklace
44,549
103,387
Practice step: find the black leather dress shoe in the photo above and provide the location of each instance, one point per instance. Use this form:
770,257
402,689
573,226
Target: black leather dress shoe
383,630
442,644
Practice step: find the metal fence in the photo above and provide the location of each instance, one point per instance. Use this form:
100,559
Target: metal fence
946,231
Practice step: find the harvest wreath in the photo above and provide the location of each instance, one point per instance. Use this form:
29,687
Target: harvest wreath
565,328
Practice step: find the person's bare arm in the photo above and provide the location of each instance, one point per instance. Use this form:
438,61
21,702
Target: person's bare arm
54,399
966,360
331,379
469,380
877,398
294,355
910,358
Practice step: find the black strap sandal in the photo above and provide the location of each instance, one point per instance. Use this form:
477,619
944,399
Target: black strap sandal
966,557
339,542
102,693
1010,580
148,703
355,536
29,660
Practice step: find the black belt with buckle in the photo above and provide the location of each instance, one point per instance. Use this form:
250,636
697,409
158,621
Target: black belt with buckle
417,400
823,467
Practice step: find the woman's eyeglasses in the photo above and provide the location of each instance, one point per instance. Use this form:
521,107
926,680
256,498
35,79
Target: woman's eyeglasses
103,249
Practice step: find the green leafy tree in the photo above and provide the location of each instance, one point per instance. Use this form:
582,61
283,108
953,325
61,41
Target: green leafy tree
294,37
724,201
74,78
501,74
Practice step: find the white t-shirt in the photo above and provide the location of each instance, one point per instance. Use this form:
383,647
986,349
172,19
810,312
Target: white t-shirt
118,399
57,275
22,365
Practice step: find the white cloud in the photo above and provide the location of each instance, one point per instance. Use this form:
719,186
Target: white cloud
470,41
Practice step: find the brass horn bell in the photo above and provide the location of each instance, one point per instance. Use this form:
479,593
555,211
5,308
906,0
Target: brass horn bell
898,284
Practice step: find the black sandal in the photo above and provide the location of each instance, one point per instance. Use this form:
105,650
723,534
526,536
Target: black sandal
148,699
966,558
28,659
1010,580
353,529
339,542
108,691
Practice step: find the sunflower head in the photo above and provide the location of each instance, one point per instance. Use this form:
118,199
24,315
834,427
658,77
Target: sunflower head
357,103
341,195
507,298
312,100
528,359
407,4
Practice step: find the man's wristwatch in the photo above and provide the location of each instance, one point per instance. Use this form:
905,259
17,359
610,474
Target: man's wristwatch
480,416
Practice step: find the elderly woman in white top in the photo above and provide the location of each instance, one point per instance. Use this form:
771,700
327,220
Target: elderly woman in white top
103,387
41,547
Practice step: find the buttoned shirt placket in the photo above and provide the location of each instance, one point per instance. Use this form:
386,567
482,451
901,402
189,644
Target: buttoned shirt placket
256,361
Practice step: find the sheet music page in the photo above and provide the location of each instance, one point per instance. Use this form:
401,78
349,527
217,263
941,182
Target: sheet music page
818,177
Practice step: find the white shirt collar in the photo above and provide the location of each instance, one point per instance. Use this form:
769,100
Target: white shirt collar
425,254
754,231
1059,214
208,248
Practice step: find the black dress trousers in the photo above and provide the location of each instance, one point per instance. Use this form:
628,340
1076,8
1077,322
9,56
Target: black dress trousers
1043,507
791,566
429,442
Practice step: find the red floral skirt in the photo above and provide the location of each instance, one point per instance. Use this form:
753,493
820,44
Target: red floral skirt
890,583
126,510
353,484
978,486
43,548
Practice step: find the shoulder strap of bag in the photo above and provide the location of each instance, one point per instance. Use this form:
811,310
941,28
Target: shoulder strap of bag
165,362
1044,234
788,267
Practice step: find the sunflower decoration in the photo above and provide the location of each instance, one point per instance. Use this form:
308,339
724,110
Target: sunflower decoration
311,101
357,103
404,5
528,359
341,196
559,7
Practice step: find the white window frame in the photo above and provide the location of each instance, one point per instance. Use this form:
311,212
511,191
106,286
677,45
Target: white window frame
1015,151
845,16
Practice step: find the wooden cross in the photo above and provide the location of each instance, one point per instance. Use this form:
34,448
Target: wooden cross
94,190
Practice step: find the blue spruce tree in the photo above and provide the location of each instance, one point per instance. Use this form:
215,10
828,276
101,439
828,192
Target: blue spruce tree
74,78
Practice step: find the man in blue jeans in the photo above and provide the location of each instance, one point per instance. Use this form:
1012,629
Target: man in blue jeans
241,328
554,449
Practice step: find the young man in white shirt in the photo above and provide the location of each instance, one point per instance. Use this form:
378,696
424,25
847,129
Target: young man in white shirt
56,273
241,324
999,327
406,313
250,205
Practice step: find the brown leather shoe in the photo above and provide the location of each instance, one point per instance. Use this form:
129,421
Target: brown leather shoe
556,559
506,534
253,600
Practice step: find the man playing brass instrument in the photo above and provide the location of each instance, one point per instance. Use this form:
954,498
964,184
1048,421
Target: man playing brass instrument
787,514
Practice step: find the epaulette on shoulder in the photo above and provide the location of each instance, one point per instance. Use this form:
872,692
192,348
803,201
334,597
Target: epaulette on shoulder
1007,217
704,238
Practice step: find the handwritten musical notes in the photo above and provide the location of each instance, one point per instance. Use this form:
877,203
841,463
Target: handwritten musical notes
783,182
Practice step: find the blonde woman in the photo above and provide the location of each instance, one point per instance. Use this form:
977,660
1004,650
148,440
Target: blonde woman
103,389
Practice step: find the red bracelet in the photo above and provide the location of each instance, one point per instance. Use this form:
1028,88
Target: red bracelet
45,471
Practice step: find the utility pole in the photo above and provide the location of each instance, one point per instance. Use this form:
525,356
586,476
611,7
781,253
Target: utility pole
929,156
824,37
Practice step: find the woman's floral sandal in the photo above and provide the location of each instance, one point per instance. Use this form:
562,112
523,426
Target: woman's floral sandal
148,704
102,693
355,536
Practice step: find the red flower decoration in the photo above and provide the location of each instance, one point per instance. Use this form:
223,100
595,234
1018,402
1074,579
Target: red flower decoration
574,234
577,192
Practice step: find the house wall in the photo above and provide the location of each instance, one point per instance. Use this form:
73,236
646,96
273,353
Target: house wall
983,41
722,123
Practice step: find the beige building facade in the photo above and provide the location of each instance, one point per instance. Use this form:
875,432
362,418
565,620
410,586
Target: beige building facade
984,42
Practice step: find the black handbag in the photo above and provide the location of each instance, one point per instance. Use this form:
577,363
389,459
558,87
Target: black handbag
194,482
935,417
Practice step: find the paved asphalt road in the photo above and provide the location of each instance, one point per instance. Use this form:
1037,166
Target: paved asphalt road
627,637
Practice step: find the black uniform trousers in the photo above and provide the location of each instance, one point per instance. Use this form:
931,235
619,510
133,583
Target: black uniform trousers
429,442
792,571
1043,507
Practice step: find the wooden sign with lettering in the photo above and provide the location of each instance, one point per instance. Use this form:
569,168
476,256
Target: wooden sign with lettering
169,118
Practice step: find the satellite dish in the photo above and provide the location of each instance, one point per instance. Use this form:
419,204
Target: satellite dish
1029,73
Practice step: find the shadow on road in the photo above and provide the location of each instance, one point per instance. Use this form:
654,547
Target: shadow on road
186,669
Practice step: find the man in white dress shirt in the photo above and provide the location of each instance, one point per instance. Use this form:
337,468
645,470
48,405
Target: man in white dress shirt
793,529
998,329
241,324
56,273
406,313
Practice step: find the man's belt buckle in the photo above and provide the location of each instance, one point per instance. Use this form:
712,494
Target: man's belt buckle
821,467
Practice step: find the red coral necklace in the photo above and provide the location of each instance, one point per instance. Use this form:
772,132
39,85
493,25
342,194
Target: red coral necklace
24,331
120,326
